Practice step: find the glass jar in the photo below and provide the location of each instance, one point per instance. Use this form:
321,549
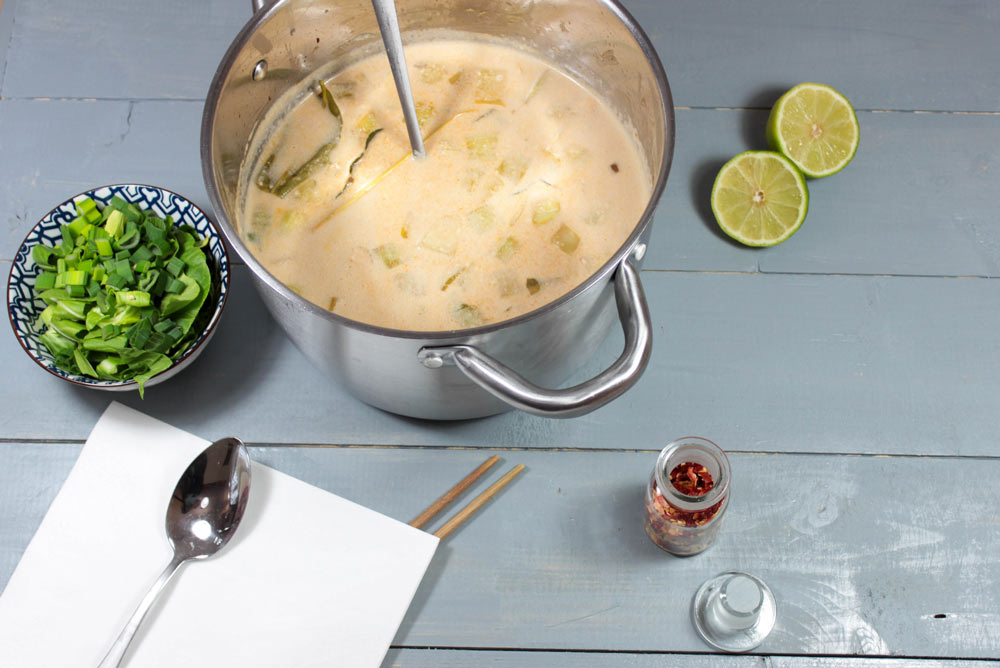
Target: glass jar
687,496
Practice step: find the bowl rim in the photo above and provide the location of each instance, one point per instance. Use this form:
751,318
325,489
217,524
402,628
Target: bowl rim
203,338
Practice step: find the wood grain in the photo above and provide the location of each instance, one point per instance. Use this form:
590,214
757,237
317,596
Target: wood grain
851,372
563,561
444,658
776,363
895,54
463,515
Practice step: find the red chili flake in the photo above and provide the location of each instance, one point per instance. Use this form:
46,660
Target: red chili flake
614,167
691,479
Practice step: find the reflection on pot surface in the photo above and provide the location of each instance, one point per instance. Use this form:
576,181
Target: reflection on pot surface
545,186
530,184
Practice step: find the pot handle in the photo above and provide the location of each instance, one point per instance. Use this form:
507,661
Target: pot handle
506,384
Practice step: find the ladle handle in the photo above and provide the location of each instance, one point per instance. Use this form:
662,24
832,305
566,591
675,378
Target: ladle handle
506,384
117,651
388,25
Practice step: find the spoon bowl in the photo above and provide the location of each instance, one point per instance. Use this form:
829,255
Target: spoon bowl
204,510
209,500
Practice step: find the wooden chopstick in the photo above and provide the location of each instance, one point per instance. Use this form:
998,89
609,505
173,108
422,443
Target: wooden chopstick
477,502
449,496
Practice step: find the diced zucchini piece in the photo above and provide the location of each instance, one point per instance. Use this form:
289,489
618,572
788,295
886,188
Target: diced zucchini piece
490,86
533,285
467,315
482,218
366,124
456,77
409,283
442,238
493,184
431,72
471,178
513,168
290,218
333,304
425,112
507,284
508,248
566,239
389,254
544,211
482,147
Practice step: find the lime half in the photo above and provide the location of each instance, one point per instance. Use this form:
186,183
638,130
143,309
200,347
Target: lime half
815,127
759,198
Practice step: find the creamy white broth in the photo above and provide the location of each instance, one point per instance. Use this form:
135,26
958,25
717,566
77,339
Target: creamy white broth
530,184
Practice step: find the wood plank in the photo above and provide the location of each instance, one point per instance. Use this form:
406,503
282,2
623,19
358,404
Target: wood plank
120,50
757,362
883,55
66,147
6,29
902,207
872,556
444,658
916,200
940,56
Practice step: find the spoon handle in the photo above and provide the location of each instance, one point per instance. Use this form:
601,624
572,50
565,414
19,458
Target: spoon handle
114,656
388,24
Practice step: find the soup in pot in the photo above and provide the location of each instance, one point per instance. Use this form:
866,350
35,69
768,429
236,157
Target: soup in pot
530,184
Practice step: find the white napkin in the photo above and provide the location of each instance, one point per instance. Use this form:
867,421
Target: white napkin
309,579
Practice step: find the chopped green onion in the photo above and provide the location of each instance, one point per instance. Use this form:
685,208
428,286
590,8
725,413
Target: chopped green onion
175,266
141,254
45,280
104,248
74,277
133,298
115,224
44,256
110,284
87,209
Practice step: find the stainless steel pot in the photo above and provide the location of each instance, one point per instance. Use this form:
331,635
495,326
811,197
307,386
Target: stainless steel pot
456,374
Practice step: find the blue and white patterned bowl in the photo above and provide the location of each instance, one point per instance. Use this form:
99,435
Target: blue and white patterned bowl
23,308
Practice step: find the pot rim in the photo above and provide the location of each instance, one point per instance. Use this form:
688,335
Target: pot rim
229,231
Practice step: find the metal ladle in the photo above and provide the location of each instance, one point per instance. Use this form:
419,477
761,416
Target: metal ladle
204,511
388,25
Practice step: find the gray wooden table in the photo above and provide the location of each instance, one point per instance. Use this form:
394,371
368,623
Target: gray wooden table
853,372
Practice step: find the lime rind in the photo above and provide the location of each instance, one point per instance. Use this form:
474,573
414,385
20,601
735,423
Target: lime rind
785,198
788,129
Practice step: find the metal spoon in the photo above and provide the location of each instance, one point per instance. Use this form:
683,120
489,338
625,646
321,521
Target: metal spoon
204,511
388,25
